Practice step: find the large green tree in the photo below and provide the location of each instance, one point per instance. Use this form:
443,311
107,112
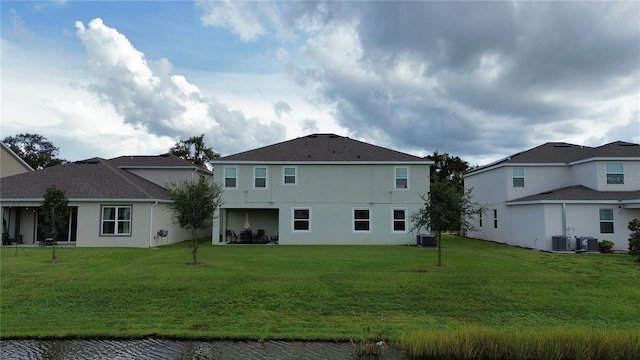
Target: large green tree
55,209
445,208
195,151
34,149
194,203
447,167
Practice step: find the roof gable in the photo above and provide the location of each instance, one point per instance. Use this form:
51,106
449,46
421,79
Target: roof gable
322,148
87,179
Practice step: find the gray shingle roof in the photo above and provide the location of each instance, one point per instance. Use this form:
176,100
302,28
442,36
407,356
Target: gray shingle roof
88,179
322,148
579,192
164,160
565,153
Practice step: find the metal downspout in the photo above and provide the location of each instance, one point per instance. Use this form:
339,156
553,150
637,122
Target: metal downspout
151,235
564,220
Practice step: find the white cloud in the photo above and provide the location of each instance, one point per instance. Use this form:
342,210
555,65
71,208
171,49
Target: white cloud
162,103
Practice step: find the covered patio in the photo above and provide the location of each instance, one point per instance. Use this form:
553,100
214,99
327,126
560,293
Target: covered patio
249,226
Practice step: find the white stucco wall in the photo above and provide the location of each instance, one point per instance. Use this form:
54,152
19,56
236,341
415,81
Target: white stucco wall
331,191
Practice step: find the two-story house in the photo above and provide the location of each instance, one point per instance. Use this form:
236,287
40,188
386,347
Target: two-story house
113,202
320,189
558,190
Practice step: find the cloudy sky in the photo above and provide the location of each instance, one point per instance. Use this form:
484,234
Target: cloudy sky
479,80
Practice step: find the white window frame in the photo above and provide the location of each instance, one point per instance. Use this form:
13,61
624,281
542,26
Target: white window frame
224,175
396,177
266,177
295,176
517,177
615,172
405,220
116,221
495,218
293,219
606,221
368,220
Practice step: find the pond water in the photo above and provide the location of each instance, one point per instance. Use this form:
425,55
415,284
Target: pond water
181,349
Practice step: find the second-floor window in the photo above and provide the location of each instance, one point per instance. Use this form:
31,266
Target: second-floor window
260,177
289,175
615,173
230,177
606,221
518,177
401,178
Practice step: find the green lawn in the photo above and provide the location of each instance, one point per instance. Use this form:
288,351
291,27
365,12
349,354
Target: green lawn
312,292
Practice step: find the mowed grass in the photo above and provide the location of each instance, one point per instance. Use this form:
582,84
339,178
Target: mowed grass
315,292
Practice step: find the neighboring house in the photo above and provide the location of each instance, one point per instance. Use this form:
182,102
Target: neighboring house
114,202
558,189
321,189
10,163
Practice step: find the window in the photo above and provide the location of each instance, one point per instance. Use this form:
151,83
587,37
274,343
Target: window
362,220
399,220
495,218
301,220
230,177
480,217
116,220
401,178
260,178
518,177
615,173
606,221
289,176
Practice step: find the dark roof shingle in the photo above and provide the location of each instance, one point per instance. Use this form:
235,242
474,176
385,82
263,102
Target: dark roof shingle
88,179
322,148
565,153
579,192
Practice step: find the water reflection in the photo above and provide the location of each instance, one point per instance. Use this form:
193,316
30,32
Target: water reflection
178,350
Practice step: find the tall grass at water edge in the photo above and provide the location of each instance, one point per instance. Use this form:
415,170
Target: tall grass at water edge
556,343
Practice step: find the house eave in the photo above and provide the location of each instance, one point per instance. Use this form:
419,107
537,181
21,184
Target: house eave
507,164
590,202
10,202
612,158
227,162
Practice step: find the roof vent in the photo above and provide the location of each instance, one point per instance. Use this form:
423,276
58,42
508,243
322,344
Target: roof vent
546,192
562,145
312,136
88,161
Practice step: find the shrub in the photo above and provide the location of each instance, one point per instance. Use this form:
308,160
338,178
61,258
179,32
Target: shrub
634,238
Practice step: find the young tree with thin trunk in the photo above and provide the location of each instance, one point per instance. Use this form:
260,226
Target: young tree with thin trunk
194,203
445,208
55,209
